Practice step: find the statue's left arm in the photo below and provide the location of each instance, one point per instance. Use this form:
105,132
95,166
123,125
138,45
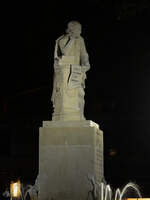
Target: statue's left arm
84,61
84,57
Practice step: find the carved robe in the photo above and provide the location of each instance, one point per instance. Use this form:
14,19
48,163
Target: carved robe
70,64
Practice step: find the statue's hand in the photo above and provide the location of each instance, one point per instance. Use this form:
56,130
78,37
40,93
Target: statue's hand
85,68
56,60
56,64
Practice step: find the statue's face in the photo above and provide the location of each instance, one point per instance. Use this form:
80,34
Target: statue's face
74,31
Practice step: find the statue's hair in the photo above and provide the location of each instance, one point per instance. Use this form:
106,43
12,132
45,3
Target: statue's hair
73,24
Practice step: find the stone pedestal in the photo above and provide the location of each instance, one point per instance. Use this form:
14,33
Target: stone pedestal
69,153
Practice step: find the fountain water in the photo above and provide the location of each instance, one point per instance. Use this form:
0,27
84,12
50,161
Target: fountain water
106,192
132,186
102,191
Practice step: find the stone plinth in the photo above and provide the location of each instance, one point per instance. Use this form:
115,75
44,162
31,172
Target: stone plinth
69,153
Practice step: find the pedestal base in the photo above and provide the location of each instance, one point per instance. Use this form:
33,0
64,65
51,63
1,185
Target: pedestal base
69,153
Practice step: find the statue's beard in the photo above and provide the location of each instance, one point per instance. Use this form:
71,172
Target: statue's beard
75,34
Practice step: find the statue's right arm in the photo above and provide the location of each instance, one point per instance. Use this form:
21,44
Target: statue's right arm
56,57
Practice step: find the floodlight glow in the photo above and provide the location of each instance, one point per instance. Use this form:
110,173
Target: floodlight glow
15,189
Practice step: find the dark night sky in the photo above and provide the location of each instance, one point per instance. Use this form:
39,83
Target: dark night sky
117,38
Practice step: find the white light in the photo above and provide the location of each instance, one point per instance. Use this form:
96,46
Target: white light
15,189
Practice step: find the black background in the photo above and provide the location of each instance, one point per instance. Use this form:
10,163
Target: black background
117,38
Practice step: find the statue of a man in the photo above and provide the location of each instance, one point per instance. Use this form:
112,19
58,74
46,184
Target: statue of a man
70,66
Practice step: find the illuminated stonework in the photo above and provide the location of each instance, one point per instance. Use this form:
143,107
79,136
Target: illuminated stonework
70,66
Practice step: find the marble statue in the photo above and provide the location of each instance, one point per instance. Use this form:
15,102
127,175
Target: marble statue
71,63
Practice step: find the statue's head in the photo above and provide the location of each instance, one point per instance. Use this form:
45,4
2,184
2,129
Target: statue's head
74,29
